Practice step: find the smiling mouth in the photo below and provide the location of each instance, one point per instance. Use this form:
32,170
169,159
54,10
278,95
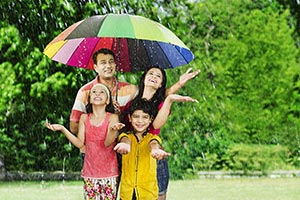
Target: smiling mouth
140,126
152,80
108,70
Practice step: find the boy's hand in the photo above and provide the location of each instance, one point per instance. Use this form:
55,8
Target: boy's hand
159,154
122,148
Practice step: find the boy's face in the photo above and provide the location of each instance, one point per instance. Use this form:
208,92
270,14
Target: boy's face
140,121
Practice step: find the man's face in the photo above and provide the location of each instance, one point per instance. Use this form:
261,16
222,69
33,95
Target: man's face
105,66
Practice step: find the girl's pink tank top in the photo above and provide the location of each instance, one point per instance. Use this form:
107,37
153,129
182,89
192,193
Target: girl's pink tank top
99,161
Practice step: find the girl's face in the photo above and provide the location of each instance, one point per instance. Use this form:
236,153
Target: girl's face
98,95
140,121
154,78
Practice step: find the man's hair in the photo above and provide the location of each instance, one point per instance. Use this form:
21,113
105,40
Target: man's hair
103,51
141,104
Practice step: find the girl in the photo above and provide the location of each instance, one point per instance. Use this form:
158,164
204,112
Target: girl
97,132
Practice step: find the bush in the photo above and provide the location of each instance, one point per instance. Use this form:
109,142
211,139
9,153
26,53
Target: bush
250,158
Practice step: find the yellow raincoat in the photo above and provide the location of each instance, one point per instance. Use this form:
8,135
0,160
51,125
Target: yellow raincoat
139,169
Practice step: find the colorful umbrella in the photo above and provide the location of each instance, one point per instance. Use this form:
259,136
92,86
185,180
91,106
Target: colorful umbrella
137,42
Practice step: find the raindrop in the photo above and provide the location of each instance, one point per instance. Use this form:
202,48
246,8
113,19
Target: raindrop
193,166
203,156
194,109
42,185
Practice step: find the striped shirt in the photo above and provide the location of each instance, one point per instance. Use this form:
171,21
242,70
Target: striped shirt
126,93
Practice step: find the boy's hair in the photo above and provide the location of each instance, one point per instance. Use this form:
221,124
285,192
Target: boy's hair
142,104
103,51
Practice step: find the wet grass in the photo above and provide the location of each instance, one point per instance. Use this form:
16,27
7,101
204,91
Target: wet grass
208,189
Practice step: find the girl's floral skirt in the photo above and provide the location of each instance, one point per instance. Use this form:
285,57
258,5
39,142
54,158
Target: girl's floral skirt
100,189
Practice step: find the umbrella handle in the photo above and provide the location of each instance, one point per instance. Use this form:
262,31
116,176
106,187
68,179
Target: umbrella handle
117,86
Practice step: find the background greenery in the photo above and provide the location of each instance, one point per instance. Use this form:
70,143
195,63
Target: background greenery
247,117
211,189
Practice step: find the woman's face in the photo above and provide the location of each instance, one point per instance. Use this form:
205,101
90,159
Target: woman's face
154,78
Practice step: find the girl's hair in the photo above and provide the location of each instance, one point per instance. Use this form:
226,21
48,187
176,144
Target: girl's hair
109,107
159,95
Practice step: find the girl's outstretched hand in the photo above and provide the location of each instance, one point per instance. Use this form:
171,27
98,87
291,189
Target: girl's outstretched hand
117,126
54,127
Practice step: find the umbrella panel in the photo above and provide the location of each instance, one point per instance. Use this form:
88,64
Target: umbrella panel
131,54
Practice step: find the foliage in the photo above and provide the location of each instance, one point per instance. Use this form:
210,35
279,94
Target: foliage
250,158
248,88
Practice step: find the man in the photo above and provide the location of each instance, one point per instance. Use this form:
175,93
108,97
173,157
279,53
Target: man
105,66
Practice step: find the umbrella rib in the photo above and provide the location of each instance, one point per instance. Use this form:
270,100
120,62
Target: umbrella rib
170,64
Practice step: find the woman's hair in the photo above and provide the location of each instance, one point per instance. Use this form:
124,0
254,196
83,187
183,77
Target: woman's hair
159,95
154,102
109,107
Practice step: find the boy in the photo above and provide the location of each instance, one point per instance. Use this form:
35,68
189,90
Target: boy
139,150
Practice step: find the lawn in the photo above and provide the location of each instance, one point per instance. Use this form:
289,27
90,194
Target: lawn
208,189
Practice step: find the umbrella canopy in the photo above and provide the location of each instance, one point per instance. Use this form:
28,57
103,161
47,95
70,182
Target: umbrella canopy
137,42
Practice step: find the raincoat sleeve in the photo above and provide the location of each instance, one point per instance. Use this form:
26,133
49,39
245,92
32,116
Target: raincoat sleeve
121,136
155,137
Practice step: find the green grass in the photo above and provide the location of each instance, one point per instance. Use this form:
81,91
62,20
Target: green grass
208,189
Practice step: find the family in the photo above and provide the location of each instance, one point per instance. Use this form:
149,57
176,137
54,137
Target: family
119,137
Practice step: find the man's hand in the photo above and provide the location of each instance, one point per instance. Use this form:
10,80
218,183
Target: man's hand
117,107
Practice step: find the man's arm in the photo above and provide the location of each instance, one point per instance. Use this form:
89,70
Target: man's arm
77,110
184,78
